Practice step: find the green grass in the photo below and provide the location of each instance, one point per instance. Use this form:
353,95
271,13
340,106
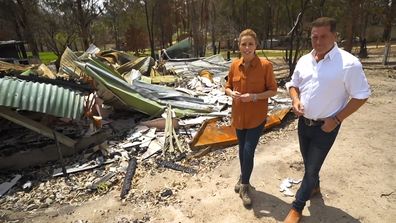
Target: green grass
260,53
271,53
45,57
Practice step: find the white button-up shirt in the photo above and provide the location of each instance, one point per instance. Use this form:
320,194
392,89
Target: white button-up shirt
326,86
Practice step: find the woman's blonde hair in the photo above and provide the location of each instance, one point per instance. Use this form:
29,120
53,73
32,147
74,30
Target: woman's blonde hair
248,32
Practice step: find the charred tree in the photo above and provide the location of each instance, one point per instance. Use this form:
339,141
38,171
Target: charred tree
351,18
213,28
389,15
195,28
295,39
149,12
22,10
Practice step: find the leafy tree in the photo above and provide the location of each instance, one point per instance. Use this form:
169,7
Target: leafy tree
83,13
117,18
59,31
156,23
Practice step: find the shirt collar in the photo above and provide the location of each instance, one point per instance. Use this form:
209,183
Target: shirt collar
255,61
330,54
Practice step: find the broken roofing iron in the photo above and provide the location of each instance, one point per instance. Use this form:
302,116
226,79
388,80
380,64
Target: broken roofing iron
146,98
40,97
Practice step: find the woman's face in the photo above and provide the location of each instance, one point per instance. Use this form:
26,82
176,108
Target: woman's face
247,47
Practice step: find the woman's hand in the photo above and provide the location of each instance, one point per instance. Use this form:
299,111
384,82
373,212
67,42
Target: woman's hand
246,97
235,95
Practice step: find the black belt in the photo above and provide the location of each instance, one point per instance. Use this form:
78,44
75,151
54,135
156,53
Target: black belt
311,122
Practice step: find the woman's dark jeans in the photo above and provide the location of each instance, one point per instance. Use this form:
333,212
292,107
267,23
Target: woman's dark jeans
247,140
314,146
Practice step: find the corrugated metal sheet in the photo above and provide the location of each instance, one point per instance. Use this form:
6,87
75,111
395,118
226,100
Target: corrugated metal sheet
67,64
40,97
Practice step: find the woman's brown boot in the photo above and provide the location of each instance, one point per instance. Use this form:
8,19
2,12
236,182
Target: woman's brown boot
244,194
238,185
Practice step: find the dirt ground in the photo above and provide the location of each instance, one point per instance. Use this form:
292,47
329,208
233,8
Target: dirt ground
357,179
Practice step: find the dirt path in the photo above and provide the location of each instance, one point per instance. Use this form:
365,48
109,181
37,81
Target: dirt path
358,181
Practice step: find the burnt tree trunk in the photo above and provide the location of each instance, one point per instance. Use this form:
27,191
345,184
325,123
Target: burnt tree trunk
150,24
24,22
388,30
295,35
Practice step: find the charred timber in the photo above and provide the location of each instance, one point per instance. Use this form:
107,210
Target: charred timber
128,177
175,166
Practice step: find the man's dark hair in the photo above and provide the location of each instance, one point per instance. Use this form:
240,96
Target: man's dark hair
325,21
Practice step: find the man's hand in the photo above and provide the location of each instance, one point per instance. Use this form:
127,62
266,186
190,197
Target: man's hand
298,108
329,124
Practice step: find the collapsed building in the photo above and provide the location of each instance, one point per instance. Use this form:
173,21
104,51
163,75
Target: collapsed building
116,108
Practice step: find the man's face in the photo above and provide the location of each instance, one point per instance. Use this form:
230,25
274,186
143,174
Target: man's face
322,39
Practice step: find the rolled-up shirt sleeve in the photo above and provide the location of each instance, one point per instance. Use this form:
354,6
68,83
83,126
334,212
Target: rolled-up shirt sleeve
270,81
229,78
356,82
295,79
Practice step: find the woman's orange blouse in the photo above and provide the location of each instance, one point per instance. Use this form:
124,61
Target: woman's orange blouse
257,78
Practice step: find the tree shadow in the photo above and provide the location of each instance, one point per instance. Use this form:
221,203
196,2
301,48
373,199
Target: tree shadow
267,205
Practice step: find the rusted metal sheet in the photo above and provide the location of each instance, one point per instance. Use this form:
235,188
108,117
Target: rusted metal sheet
276,118
212,135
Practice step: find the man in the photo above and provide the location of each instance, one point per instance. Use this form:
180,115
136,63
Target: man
327,86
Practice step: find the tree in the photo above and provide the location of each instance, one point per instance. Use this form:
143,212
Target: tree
225,26
57,36
213,13
116,14
83,12
181,18
149,10
22,13
390,10
295,38
136,39
9,27
163,23
350,18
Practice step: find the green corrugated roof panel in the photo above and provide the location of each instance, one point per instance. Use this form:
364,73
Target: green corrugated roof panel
40,97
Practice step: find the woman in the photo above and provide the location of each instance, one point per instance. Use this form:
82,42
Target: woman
250,83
